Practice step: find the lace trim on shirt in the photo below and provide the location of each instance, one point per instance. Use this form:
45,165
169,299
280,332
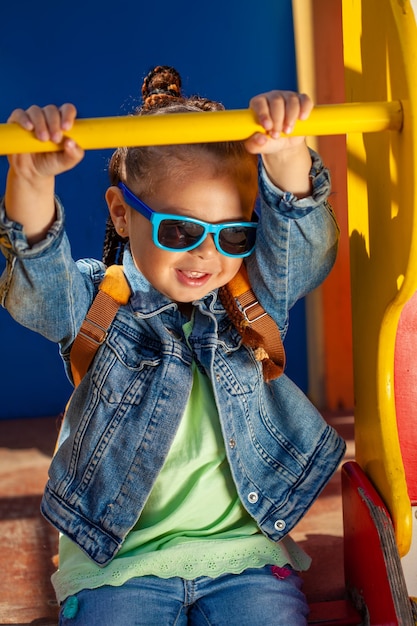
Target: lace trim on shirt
188,562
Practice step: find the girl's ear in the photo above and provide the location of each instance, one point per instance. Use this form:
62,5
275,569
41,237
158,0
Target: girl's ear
118,210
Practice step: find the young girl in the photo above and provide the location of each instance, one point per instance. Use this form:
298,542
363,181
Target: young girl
183,462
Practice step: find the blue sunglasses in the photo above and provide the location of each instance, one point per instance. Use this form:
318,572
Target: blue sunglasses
173,233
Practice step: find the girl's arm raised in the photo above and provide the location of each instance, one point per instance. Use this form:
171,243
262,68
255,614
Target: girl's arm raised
29,197
286,159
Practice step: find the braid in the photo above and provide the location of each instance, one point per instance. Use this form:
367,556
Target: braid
250,337
113,246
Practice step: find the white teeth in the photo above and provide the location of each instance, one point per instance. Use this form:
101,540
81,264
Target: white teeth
194,274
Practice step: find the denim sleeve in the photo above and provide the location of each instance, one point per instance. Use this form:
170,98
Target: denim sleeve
296,243
42,287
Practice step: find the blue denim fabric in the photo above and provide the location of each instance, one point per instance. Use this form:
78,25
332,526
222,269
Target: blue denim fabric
253,598
124,415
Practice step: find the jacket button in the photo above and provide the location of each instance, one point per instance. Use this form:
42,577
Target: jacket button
232,443
280,524
253,497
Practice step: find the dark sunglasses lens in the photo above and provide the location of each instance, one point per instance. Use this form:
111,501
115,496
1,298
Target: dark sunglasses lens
238,239
178,234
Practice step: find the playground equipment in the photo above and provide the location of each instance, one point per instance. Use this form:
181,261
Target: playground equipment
111,132
380,487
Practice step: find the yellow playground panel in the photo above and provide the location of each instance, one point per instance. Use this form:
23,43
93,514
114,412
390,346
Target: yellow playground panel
380,63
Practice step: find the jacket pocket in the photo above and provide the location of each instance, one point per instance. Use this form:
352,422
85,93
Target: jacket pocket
126,361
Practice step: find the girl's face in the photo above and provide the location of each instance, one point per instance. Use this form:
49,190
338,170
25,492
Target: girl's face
183,276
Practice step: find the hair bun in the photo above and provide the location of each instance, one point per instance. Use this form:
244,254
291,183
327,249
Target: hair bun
160,86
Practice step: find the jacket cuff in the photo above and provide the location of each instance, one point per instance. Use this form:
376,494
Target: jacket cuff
287,203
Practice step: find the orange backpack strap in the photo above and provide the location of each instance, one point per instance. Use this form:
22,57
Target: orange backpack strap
257,317
114,291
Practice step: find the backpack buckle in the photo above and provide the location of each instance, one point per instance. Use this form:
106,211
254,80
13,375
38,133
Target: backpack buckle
97,335
253,312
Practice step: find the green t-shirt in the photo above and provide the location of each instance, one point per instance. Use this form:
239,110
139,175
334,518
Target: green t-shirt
193,523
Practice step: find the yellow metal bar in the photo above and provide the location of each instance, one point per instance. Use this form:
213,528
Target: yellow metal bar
178,128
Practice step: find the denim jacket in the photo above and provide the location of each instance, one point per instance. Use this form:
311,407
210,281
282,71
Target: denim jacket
123,416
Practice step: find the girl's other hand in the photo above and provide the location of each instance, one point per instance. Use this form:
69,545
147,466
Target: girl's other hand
48,123
277,112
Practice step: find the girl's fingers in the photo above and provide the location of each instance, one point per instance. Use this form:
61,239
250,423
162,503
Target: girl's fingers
306,106
58,120
39,118
278,111
260,106
48,123
292,112
68,115
72,151
287,109
19,116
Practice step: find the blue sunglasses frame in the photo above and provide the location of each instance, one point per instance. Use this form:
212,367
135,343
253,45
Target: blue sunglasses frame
156,219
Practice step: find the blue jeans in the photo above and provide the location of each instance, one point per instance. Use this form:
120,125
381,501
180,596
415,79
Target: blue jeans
256,597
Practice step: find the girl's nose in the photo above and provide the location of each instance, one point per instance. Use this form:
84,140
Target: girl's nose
207,248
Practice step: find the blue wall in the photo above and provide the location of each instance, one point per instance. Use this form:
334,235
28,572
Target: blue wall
96,54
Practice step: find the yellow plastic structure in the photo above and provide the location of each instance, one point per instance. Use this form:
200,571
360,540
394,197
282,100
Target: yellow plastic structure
111,132
380,47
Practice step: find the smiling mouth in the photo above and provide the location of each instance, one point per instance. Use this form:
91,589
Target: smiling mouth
193,278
